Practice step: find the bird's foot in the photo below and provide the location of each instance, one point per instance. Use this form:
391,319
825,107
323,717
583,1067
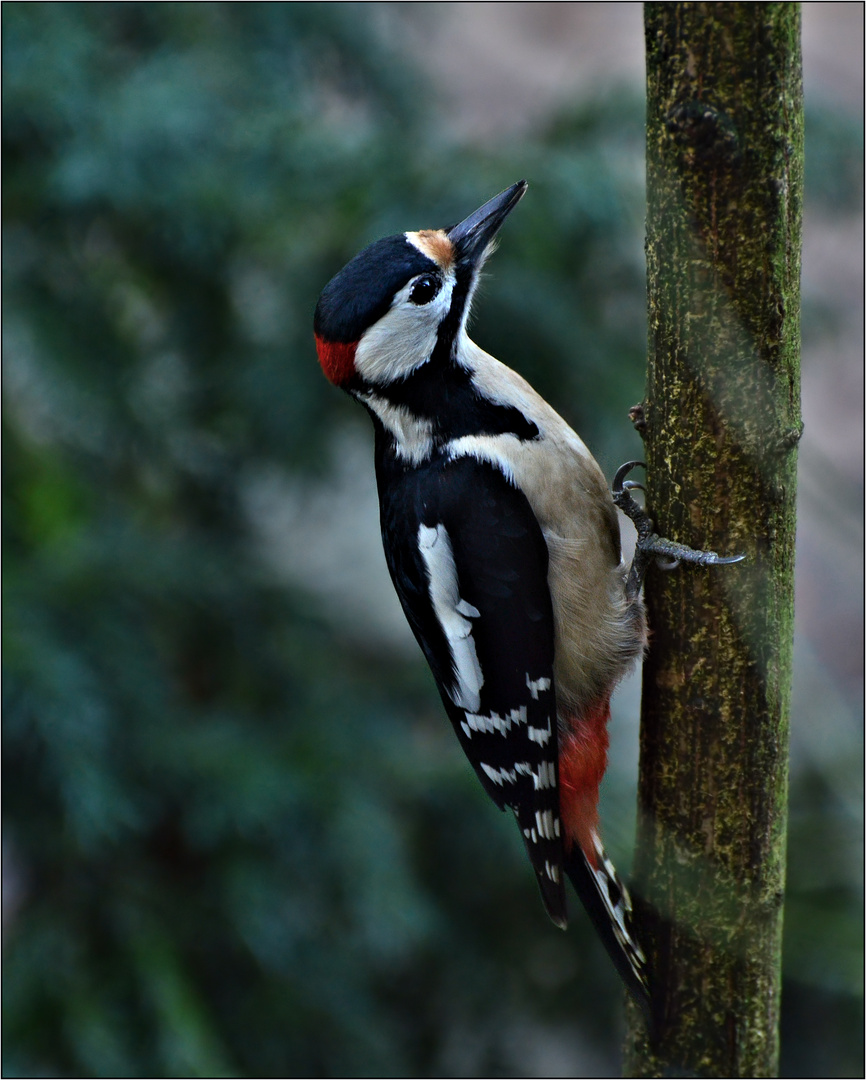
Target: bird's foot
650,546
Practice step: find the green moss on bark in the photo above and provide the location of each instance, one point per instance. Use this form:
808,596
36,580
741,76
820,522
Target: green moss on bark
722,412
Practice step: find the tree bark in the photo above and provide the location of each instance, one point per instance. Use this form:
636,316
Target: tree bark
721,422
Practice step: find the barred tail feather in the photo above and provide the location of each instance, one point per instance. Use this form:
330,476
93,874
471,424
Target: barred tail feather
609,906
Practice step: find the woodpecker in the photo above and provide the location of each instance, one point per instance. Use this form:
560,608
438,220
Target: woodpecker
502,540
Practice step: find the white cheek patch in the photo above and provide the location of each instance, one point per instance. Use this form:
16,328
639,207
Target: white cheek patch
398,344
403,339
453,615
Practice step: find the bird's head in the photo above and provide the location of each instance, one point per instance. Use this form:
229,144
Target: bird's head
404,300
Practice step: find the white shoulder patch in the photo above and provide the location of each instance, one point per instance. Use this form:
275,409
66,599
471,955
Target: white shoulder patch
453,614
492,449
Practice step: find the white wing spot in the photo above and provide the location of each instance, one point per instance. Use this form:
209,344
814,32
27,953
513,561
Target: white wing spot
546,824
453,615
540,735
494,722
499,776
537,686
545,777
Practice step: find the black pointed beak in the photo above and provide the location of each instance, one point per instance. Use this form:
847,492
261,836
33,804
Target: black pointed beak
474,235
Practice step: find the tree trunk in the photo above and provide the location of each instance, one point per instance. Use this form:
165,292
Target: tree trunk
722,421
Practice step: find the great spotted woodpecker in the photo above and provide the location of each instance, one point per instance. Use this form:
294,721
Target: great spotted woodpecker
503,544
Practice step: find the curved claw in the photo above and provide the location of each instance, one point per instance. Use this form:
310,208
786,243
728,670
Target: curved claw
666,554
622,472
667,551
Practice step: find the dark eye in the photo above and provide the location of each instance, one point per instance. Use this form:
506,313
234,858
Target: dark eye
424,289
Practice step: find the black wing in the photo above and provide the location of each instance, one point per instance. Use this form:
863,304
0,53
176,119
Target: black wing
469,563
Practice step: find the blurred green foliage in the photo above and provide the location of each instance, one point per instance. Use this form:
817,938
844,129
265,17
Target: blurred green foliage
240,840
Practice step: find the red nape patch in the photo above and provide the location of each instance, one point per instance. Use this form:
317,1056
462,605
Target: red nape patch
337,359
582,761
